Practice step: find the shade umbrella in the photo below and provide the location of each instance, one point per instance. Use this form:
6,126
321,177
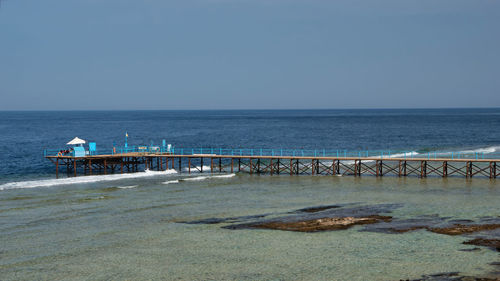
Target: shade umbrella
76,141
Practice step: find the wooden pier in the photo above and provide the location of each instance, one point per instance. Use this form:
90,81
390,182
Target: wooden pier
276,165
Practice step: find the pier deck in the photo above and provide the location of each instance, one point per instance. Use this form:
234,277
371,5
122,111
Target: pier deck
277,164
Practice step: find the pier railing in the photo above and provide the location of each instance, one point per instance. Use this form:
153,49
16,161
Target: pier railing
379,154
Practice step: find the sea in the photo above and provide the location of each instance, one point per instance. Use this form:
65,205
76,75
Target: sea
166,225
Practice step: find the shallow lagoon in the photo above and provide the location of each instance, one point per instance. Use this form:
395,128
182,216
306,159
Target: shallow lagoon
135,229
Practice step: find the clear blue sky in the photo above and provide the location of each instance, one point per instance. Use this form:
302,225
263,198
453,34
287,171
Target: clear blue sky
248,54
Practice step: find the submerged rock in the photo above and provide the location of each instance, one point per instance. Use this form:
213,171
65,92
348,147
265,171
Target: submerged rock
491,243
223,220
321,224
451,276
318,208
455,229
458,229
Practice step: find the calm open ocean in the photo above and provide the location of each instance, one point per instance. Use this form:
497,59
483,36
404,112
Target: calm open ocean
171,226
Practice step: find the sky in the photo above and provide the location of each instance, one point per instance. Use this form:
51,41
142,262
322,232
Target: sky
248,54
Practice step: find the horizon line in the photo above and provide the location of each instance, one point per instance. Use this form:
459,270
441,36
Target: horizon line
251,109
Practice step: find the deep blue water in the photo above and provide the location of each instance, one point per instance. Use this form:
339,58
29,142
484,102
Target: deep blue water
24,135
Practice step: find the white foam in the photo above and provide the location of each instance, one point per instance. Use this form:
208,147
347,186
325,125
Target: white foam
224,176
200,178
127,186
486,150
83,179
404,154
197,169
170,182
408,154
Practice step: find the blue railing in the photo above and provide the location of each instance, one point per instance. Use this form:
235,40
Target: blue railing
381,154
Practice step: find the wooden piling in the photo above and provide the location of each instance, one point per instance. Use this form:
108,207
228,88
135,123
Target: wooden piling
423,169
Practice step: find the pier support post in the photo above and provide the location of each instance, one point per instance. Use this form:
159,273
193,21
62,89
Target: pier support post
161,163
271,165
74,167
445,169
211,164
423,169
297,166
493,172
239,164
220,165
105,166
291,166
469,169
201,165
57,168
90,166
250,166
180,165
278,167
378,167
312,167
232,163
189,165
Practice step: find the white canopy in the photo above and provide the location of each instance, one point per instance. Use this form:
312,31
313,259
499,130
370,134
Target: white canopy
76,141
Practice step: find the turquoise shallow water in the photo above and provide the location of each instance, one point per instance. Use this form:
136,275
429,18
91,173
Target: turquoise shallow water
134,229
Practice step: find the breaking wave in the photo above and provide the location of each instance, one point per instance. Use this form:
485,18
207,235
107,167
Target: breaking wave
82,179
127,186
197,169
200,178
170,182
486,150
